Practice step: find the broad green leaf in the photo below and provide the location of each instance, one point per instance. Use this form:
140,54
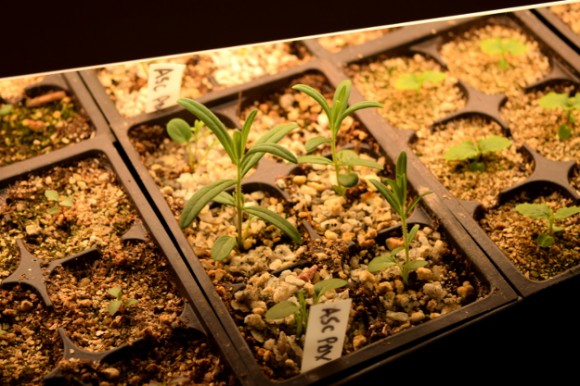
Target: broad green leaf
313,143
114,306
201,198
553,100
67,201
179,130
211,121
556,229
544,240
314,159
380,263
464,151
493,143
433,76
565,212
54,210
316,95
51,195
324,286
281,310
222,247
408,82
115,292
514,46
534,211
564,132
348,180
413,265
276,220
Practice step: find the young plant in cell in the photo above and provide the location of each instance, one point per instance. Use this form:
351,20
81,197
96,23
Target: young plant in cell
416,81
119,305
190,136
61,202
474,151
544,212
343,160
568,103
300,311
396,194
503,48
243,159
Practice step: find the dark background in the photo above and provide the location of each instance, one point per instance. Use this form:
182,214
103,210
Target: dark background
55,36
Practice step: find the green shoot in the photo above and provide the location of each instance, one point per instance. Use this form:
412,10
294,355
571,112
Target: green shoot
243,160
566,102
544,212
61,202
474,151
503,47
183,134
416,81
5,109
118,305
343,161
395,192
300,311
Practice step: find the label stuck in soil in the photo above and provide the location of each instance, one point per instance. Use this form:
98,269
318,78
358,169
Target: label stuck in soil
325,333
164,85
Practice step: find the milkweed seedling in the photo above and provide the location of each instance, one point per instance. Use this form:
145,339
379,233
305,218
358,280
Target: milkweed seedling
503,48
568,103
416,81
395,192
474,151
544,212
344,160
243,160
300,311
183,134
119,305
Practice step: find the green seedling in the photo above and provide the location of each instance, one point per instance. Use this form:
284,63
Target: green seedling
568,103
344,160
61,202
544,212
474,151
243,160
416,81
503,48
395,192
5,110
119,305
183,134
300,311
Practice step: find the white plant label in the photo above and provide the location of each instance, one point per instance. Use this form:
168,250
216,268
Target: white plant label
164,85
325,333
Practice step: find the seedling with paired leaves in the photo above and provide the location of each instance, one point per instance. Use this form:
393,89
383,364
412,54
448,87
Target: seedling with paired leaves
503,48
300,311
474,151
183,134
119,305
416,81
568,103
395,192
344,160
243,160
544,212
61,202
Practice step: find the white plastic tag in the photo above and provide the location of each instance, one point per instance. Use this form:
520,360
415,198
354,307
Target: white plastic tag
325,333
164,85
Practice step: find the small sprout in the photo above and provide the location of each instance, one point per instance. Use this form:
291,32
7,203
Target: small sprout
503,47
61,202
544,212
342,160
568,103
5,110
190,136
119,305
416,81
243,160
396,195
474,151
300,311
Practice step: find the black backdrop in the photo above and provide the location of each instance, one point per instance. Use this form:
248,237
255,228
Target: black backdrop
54,36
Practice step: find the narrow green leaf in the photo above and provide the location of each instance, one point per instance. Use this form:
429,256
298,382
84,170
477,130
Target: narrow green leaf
544,240
246,130
565,212
356,161
359,106
224,198
339,104
179,130
200,199
412,233
222,247
414,264
416,201
314,94
313,143
51,195
212,122
380,263
281,310
314,159
391,197
324,286
256,152
276,220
